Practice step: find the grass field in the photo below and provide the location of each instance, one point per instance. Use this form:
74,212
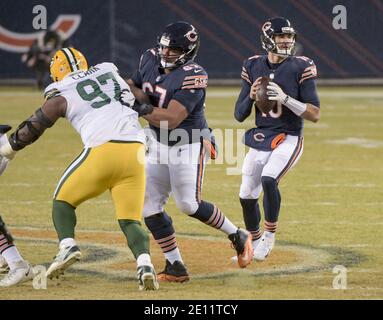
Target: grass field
331,212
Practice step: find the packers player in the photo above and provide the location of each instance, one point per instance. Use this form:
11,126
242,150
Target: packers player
11,262
112,158
276,143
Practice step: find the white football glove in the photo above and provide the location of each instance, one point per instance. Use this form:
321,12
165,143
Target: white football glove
3,164
275,92
127,98
6,150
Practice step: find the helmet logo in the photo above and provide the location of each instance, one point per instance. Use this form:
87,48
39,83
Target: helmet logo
192,35
266,26
165,41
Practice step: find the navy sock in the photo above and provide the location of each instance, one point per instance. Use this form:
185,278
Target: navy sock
161,227
251,216
209,214
271,199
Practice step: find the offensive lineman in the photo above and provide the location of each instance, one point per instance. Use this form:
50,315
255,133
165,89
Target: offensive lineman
173,86
112,159
276,144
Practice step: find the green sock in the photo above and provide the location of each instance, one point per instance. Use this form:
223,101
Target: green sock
64,219
137,237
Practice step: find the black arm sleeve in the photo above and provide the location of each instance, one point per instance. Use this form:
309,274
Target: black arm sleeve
244,104
32,128
29,130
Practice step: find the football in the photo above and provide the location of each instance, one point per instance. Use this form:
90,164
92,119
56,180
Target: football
262,102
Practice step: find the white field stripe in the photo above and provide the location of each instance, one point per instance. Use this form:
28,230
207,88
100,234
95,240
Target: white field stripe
72,59
343,185
79,159
358,142
18,94
213,93
28,185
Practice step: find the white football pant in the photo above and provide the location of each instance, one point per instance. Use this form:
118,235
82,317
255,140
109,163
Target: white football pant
273,164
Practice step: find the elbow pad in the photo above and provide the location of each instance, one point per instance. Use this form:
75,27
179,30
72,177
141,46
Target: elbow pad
30,130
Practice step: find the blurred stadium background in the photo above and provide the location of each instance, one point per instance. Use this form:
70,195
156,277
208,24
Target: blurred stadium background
120,31
332,204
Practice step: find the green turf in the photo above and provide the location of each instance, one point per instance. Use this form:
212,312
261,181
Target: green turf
332,200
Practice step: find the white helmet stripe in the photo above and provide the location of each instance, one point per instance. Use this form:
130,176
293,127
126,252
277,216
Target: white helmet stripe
72,58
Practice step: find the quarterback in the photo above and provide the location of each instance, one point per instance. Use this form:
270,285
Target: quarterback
276,143
112,158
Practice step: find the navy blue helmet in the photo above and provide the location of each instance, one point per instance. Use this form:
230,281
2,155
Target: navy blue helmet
180,36
277,26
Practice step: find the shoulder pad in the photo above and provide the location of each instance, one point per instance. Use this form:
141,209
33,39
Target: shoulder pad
195,77
51,91
246,66
254,57
146,56
307,68
107,65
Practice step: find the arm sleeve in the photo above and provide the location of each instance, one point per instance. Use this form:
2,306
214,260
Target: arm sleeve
137,79
244,104
136,76
308,92
189,98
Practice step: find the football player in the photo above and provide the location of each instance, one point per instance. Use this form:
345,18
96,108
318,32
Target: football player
276,143
174,89
11,262
112,158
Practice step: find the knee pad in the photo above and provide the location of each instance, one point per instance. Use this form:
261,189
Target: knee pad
159,224
187,207
268,182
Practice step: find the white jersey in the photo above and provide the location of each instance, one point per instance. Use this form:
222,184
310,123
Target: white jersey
93,106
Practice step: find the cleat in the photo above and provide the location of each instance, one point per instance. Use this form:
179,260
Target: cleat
22,273
176,272
241,242
147,279
63,260
265,246
255,243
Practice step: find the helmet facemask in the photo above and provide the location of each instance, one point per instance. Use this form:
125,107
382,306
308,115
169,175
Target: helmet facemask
269,44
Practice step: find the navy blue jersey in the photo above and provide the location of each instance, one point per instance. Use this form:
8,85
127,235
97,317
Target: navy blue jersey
295,75
186,84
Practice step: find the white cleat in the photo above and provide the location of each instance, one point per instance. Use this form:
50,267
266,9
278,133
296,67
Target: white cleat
266,244
147,278
63,260
23,272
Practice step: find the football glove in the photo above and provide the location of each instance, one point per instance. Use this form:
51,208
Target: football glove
3,164
128,100
275,92
6,150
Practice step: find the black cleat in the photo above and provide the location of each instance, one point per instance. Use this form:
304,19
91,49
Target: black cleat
176,272
242,243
